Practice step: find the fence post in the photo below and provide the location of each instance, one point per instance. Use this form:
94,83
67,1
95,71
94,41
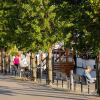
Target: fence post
68,84
81,87
57,82
88,88
74,86
71,80
62,83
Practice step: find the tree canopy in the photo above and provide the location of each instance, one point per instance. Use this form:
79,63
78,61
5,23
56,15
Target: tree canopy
37,24
82,20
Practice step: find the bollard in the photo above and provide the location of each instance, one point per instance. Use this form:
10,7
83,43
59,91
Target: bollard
81,87
68,84
57,82
62,83
74,86
88,88
71,80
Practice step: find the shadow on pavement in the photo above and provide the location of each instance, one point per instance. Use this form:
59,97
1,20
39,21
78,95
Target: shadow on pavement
31,89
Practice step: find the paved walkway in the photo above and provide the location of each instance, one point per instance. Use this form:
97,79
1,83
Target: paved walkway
12,89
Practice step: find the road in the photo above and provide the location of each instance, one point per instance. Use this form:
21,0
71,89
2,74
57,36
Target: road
13,89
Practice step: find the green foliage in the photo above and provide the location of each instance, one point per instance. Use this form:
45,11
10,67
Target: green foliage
8,21
37,24
83,17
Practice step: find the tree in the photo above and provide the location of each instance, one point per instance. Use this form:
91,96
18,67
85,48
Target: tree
7,25
80,18
88,26
36,29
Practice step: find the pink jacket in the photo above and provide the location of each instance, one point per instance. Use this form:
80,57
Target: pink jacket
16,60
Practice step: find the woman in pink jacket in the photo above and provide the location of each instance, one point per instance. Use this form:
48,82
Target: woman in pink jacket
16,61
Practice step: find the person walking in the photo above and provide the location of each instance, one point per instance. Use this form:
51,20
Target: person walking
16,61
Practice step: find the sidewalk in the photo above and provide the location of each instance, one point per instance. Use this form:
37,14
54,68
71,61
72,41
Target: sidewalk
65,87
14,89
85,88
77,90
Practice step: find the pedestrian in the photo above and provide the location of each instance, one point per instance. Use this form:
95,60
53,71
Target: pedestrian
24,62
16,61
87,74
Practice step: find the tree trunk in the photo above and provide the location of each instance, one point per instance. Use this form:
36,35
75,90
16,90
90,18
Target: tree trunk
9,63
33,68
0,60
98,73
3,62
50,66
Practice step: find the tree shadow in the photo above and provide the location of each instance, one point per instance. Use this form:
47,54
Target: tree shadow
4,90
30,89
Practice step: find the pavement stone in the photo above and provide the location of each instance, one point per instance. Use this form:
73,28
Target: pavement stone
14,89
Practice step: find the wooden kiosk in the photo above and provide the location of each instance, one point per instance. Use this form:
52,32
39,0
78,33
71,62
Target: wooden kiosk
63,60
